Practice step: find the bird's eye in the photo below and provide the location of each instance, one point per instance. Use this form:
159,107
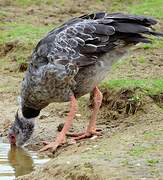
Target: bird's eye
17,131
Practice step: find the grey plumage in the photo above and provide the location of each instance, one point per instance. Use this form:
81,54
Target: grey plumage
76,56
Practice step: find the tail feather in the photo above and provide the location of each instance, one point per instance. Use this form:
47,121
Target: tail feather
131,28
156,33
139,19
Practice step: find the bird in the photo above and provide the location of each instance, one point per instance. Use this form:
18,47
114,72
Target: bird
71,61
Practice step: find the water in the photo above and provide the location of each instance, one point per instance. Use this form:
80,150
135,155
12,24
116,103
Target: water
16,161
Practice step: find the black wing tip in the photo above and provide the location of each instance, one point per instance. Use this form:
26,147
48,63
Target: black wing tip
150,21
144,19
159,34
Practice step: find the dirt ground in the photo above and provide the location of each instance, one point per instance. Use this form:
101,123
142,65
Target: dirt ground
131,145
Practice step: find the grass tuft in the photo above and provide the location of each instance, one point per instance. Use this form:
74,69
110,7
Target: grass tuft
152,162
151,87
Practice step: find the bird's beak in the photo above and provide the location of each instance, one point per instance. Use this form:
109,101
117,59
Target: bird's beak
12,139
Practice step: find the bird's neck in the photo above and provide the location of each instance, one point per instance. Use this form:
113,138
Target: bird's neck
26,111
29,112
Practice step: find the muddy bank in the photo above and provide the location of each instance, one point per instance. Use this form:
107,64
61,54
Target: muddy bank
130,147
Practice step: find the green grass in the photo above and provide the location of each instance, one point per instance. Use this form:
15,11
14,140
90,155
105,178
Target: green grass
141,59
152,162
27,36
33,2
160,105
140,150
153,8
125,162
23,32
156,43
148,7
152,134
27,3
151,87
3,13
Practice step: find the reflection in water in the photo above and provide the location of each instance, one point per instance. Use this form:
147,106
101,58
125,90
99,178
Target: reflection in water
16,161
20,160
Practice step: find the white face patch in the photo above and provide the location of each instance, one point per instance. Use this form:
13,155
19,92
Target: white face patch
19,100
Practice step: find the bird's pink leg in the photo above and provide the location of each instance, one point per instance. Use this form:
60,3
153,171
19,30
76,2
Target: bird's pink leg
61,138
91,129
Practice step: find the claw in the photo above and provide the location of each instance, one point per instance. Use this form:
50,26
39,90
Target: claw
53,146
45,143
60,140
74,134
87,135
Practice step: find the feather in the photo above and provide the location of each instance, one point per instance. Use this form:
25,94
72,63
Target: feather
156,33
130,28
89,48
144,20
104,29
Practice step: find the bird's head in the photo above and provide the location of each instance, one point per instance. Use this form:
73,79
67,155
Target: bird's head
21,130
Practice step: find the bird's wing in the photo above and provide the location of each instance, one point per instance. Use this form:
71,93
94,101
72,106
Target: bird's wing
82,40
78,41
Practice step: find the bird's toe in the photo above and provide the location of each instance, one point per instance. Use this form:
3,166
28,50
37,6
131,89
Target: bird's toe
52,146
87,134
45,143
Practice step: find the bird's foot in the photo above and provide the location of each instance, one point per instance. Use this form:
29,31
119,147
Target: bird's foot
86,134
53,145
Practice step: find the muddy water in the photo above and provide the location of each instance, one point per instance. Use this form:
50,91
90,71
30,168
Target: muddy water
15,161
